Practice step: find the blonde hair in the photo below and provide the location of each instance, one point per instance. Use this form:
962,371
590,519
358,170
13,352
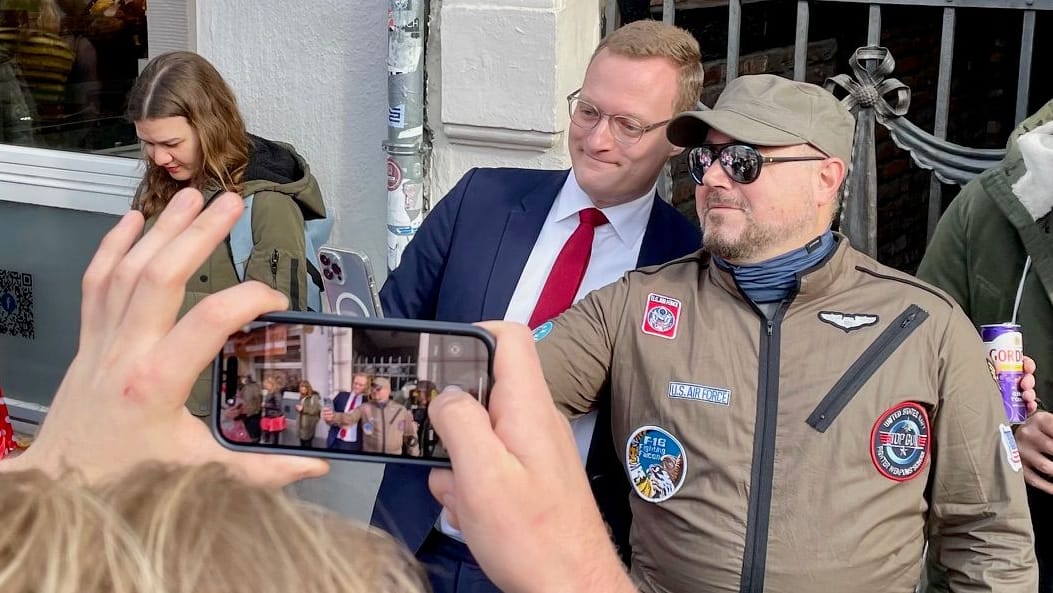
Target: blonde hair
165,529
184,84
652,39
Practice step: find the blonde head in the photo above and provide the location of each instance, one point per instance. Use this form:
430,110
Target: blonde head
165,529
652,39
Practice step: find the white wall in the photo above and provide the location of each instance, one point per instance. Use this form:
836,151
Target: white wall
313,74
499,72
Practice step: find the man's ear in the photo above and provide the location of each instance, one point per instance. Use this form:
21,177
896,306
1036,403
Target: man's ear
831,174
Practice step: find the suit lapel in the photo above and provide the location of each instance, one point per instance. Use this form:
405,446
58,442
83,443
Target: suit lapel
652,248
522,227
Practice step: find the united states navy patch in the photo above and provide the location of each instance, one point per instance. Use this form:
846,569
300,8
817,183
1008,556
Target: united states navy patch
899,441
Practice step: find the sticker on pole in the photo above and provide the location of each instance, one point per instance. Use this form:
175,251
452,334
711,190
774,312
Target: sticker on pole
394,174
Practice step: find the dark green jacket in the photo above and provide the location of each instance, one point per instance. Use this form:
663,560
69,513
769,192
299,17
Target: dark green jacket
978,251
977,255
285,194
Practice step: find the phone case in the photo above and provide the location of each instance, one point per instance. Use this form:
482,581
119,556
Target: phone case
324,319
350,287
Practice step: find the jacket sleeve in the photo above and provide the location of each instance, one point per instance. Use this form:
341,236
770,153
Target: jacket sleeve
979,523
945,263
412,290
576,354
278,254
347,418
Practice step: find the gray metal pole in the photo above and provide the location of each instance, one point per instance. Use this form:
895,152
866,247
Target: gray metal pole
405,142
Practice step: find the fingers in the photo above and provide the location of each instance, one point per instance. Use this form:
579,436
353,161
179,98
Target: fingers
273,470
441,484
464,427
1029,365
161,286
202,332
96,279
521,405
1036,481
177,215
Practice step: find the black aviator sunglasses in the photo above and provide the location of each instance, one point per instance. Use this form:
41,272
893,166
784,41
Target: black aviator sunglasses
741,162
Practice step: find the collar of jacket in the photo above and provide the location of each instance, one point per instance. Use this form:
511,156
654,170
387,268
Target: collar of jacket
813,283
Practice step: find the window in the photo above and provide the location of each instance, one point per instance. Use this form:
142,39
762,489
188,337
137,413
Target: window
66,67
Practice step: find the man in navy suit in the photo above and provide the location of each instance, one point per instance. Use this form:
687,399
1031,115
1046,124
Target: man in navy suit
499,244
347,438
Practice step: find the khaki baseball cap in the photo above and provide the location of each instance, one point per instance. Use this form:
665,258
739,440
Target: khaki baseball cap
769,110
381,382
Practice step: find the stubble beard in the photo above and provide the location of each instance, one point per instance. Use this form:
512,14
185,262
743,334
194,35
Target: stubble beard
751,241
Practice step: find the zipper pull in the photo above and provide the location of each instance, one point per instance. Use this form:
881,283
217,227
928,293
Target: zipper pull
771,327
909,320
274,267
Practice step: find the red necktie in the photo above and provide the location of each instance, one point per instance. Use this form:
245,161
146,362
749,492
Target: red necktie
565,278
347,408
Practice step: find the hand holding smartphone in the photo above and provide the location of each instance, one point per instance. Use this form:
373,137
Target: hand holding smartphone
378,377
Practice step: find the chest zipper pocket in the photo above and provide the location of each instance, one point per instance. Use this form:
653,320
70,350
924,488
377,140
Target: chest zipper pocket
865,366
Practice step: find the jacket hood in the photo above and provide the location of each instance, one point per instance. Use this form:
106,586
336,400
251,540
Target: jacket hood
277,167
1029,162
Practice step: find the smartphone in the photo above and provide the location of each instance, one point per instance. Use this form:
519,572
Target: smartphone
347,278
324,385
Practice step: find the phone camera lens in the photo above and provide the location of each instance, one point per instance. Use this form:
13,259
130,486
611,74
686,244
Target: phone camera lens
324,259
328,275
337,270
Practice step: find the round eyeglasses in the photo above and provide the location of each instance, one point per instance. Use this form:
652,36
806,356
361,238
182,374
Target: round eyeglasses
741,162
625,128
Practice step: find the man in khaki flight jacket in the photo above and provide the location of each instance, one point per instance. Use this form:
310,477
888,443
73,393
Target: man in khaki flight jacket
794,416
386,425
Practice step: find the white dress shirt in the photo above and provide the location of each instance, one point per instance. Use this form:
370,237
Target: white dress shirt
615,251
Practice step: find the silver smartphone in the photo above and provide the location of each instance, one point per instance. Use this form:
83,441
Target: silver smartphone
347,277
339,387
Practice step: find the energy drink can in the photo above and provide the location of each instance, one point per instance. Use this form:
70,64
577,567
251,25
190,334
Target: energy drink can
1004,344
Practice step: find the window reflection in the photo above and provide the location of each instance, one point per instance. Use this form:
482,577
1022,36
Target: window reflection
65,69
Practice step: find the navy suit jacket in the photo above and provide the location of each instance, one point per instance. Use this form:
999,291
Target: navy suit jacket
463,265
338,404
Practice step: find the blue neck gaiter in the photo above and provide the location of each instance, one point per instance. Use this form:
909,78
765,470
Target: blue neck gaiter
772,280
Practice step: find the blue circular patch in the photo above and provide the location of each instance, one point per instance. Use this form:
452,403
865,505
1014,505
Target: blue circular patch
542,331
900,441
656,463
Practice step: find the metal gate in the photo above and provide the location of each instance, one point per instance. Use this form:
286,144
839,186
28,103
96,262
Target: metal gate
876,97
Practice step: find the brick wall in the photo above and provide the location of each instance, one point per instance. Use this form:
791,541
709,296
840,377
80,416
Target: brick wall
982,99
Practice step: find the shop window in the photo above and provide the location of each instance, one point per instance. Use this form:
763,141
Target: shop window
66,67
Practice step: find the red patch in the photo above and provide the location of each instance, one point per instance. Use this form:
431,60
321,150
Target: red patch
394,175
661,316
899,441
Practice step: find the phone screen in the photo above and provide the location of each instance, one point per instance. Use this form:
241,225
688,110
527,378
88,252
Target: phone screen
345,387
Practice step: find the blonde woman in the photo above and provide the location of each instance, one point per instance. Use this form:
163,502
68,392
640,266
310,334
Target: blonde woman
193,135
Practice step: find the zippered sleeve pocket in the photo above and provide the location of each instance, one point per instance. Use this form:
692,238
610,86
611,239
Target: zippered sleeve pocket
865,366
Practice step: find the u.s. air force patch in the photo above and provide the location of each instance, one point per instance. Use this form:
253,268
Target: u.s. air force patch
656,462
899,441
661,316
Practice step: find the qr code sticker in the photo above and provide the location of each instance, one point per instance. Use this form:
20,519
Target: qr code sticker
16,304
